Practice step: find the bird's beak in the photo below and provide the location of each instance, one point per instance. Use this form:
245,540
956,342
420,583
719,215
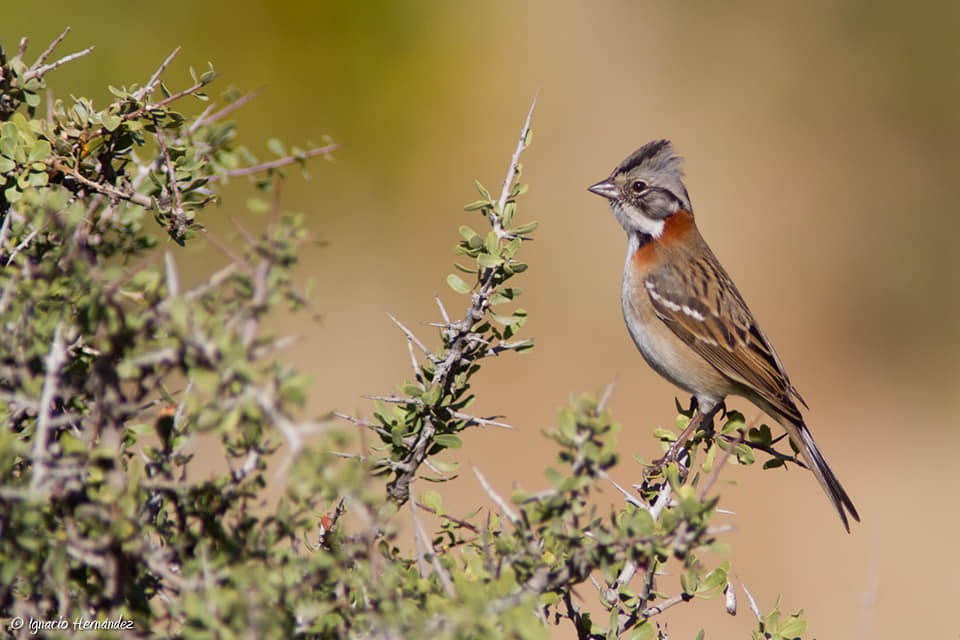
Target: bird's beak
606,189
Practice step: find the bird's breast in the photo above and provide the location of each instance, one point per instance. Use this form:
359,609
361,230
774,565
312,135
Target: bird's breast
662,349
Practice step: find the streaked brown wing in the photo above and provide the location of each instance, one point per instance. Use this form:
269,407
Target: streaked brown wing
705,310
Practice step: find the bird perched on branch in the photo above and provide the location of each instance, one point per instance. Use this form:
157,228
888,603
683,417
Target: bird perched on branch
685,314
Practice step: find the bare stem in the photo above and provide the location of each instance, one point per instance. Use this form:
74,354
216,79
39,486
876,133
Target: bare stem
54,360
230,108
49,50
281,162
106,189
496,497
62,61
515,163
155,78
179,219
159,105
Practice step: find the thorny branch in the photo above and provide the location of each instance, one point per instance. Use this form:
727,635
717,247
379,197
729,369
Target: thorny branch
325,150
107,358
459,338
39,69
103,180
54,361
154,80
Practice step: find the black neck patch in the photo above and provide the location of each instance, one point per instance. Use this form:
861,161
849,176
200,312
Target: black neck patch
643,239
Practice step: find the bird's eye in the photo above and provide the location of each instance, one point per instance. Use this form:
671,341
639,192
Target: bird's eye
638,186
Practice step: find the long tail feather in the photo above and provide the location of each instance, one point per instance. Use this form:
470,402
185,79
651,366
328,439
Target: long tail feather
799,433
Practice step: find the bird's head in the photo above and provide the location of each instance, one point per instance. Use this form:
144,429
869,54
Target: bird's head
646,188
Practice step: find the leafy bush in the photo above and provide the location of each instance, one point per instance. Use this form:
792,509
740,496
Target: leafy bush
111,372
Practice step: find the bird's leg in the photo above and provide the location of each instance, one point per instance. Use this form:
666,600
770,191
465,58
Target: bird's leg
678,452
701,419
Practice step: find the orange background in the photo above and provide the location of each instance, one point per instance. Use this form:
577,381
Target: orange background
822,159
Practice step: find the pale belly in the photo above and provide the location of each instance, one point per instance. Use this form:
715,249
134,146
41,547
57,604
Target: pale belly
664,356
667,354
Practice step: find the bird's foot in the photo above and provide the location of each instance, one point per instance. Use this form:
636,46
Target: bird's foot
679,450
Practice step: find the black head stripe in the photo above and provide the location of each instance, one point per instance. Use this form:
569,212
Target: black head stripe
656,153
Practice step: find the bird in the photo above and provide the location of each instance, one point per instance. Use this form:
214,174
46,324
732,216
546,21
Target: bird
685,314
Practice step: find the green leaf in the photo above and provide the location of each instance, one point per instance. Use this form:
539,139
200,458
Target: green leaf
457,284
493,243
744,454
517,319
760,436
483,192
111,122
444,467
431,499
524,229
448,440
511,248
469,270
488,261
467,233
714,582
38,179
793,627
432,394
80,112
504,295
39,151
664,435
735,422
276,147
523,345
644,631
672,474
508,211
412,390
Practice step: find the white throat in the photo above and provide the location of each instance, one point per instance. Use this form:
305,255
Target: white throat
652,228
632,220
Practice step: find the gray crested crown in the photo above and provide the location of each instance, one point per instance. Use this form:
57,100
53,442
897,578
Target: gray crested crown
657,165
657,157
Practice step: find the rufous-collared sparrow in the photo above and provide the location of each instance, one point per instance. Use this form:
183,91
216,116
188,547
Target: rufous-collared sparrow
685,314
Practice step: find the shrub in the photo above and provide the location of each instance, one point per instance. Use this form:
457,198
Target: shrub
111,370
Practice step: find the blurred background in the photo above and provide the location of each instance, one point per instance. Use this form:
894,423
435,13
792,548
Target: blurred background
822,156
